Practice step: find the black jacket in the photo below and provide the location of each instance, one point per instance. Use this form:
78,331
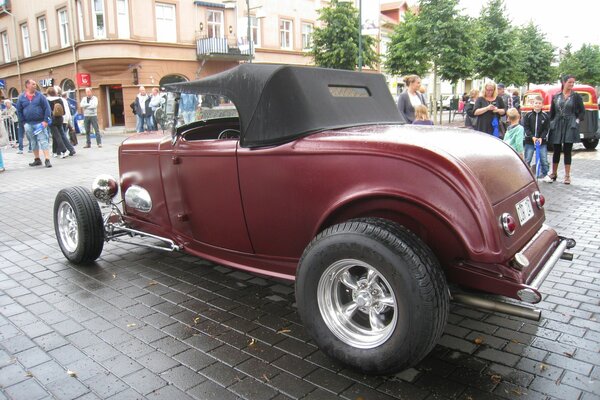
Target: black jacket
536,125
137,109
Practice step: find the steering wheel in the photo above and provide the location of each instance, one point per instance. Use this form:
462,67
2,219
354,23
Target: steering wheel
229,134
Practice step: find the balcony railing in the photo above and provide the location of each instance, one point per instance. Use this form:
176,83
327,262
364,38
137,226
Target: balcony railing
223,47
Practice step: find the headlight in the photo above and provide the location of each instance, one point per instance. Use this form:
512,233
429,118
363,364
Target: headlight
137,197
104,188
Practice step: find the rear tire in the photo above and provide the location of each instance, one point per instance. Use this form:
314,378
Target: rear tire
78,225
372,295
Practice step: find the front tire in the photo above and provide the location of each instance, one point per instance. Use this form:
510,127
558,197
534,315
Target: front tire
372,295
78,225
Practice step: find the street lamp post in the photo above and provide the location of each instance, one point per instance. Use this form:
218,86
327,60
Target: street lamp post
249,32
359,35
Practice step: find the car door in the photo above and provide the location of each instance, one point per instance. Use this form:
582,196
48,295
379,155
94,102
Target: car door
210,196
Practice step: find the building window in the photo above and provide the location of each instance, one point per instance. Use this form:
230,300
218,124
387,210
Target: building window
123,19
307,31
26,42
255,30
43,28
68,87
13,94
285,33
80,20
5,46
98,19
215,24
166,28
63,28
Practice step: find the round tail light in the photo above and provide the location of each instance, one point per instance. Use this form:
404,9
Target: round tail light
508,224
539,200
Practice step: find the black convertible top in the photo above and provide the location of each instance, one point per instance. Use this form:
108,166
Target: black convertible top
278,103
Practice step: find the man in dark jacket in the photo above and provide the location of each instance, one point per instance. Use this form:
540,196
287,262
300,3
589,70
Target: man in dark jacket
34,111
142,110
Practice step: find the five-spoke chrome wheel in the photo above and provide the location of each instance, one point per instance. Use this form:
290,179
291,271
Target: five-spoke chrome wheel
67,226
357,303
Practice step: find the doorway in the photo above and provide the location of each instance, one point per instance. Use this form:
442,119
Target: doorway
114,96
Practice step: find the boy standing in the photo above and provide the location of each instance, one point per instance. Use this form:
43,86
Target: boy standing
537,126
515,134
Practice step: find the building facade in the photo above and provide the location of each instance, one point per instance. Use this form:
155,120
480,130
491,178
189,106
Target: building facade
114,46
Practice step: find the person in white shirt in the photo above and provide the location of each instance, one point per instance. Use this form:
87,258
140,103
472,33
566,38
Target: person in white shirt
89,105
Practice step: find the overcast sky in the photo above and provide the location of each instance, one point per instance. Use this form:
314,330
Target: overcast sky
563,21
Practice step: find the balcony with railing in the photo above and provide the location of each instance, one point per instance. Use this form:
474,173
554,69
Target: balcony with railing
228,47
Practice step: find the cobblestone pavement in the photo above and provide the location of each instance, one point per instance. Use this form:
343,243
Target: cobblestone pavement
144,324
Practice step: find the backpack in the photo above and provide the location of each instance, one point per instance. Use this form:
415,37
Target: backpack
58,110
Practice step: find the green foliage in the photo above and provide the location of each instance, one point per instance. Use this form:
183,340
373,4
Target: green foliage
537,54
584,64
406,54
335,45
498,52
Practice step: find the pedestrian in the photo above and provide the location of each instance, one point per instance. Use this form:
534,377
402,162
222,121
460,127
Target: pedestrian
188,105
537,124
507,100
515,133
12,124
34,112
422,116
70,142
566,113
143,112
488,109
156,101
410,98
59,149
3,142
516,100
470,118
89,104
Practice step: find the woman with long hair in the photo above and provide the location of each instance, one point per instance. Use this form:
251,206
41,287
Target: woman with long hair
410,98
566,113
488,109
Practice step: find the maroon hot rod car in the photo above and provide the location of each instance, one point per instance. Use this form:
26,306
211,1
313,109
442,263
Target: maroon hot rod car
315,180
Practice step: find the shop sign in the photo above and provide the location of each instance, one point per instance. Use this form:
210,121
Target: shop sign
46,82
84,80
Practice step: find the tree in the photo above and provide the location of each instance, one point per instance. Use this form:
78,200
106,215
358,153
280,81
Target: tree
406,54
438,38
499,55
538,55
335,45
584,64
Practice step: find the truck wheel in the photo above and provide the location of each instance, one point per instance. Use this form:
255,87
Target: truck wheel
78,225
372,295
590,144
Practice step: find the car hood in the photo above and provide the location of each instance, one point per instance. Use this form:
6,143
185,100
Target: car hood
492,162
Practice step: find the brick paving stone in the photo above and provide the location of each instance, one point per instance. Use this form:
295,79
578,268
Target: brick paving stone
249,388
48,372
194,359
12,373
144,381
30,388
67,388
554,388
211,391
157,362
222,374
32,357
294,365
169,392
105,385
229,355
182,377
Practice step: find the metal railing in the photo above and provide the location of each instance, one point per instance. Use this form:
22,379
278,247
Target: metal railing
228,45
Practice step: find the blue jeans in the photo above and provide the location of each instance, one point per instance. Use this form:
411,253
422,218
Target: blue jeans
88,123
530,155
140,121
65,137
41,141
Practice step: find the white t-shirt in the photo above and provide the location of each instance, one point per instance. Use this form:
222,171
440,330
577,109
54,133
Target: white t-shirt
415,100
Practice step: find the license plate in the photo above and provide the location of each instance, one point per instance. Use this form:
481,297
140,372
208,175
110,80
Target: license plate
524,210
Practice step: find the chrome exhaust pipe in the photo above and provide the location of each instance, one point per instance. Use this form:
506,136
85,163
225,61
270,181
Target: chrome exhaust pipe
491,305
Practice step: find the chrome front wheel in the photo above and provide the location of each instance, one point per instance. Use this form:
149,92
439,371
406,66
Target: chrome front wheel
67,226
